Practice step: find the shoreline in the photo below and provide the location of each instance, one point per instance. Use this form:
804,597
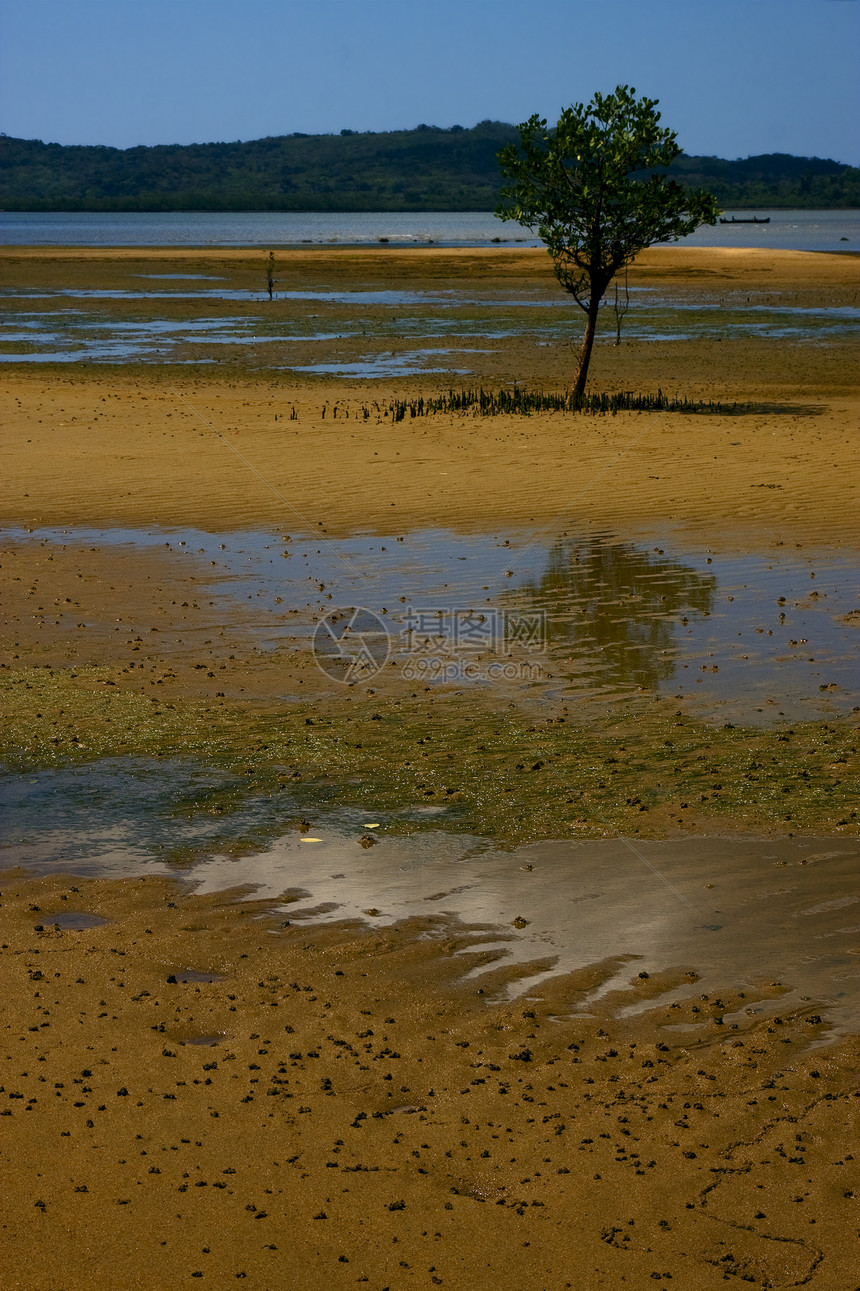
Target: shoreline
797,404
326,1101
240,450
652,259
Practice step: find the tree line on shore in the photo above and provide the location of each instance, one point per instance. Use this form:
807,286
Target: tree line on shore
425,169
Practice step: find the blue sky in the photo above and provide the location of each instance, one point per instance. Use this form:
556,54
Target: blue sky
734,77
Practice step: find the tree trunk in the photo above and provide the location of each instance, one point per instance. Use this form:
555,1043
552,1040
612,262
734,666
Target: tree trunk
585,349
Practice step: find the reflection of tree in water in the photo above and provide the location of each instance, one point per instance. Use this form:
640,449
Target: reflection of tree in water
615,606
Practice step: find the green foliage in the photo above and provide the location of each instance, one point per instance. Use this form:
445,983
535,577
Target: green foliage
774,180
596,191
414,170
425,169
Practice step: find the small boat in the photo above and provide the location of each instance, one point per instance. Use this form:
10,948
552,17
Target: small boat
753,219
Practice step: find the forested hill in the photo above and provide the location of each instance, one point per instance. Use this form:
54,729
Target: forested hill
426,169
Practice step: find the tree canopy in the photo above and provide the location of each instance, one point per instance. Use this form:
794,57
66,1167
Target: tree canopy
426,169
596,191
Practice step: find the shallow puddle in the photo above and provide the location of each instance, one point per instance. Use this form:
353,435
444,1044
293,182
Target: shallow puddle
751,637
388,365
593,615
45,332
73,921
779,919
782,915
123,815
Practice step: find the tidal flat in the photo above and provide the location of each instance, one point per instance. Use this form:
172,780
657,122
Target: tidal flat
561,916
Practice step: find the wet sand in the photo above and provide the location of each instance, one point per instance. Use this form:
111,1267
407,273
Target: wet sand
112,446
365,1117
599,1151
213,454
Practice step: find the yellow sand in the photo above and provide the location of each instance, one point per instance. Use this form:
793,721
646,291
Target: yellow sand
367,1118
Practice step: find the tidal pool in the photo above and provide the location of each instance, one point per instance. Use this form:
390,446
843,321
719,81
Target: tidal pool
72,920
40,329
388,365
777,918
746,638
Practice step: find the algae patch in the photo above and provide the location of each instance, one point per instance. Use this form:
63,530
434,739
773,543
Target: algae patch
512,775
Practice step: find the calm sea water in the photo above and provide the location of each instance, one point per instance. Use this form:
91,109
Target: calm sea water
787,230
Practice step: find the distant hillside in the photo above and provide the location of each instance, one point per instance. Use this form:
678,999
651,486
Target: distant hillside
426,169
774,179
